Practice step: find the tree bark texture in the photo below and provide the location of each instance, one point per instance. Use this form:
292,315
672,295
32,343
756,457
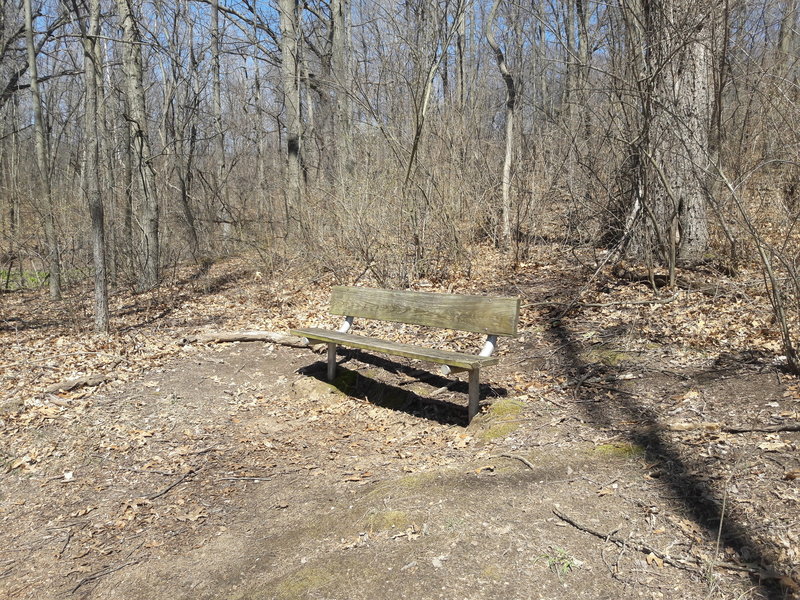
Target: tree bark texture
682,125
670,49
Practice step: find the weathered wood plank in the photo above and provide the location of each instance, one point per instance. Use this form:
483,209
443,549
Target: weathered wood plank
480,314
456,359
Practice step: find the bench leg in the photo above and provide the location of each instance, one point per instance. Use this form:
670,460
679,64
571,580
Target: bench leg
331,361
474,394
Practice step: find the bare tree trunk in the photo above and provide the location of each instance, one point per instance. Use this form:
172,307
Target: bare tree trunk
511,102
687,94
10,173
106,172
787,39
570,58
127,197
262,203
144,174
461,42
45,190
693,215
584,58
92,75
341,65
670,69
225,216
290,70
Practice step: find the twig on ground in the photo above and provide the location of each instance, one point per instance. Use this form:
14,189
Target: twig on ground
521,459
609,388
10,568
103,573
174,484
716,426
627,302
66,543
610,537
687,564
441,390
204,450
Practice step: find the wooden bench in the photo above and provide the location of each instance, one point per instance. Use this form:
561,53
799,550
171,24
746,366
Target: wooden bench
490,316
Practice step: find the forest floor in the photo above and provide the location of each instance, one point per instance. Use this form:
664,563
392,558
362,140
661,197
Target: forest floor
634,446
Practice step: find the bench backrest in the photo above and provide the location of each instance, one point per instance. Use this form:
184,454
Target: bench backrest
492,316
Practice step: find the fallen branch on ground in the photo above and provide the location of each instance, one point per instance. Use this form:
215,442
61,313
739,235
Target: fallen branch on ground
712,426
246,336
687,564
764,429
627,302
610,537
73,384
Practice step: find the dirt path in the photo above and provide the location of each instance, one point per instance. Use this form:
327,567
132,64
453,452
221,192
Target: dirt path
231,474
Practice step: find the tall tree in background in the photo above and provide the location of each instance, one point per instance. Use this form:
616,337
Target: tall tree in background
44,189
220,186
143,170
290,71
92,61
510,105
787,40
342,75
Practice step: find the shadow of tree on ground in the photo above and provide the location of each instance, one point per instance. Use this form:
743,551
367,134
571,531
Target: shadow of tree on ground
702,502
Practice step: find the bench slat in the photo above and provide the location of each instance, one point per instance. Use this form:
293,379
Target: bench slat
479,314
455,359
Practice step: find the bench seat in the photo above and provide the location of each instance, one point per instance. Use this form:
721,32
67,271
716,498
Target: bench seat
361,342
